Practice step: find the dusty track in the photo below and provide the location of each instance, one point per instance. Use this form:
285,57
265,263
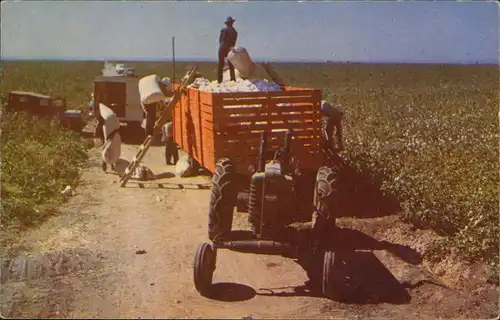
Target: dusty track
99,274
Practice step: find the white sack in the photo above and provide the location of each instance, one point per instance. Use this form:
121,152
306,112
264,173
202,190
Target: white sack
241,61
183,168
111,150
149,89
111,121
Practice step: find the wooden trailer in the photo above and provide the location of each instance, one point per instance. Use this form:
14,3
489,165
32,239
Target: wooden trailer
210,126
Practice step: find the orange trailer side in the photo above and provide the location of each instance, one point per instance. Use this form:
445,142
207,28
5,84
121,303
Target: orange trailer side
210,126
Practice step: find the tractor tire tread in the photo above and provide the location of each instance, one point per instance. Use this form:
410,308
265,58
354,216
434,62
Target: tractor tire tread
222,200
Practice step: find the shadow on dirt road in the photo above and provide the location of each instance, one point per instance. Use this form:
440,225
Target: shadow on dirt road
361,278
232,292
346,240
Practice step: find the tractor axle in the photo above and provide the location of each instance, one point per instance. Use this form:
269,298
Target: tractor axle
256,246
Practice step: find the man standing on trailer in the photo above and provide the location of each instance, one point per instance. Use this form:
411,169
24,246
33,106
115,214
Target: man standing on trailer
227,41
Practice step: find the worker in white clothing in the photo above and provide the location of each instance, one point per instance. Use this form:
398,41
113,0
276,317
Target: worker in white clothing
111,149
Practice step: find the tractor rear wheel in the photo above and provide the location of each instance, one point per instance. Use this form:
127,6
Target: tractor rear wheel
326,207
204,267
222,200
326,198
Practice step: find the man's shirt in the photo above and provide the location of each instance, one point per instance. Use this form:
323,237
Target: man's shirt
228,36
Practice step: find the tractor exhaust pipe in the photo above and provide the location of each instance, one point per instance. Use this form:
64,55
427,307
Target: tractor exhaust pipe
262,153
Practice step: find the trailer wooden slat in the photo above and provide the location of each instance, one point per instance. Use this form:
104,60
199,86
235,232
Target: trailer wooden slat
283,127
227,112
254,145
307,99
291,118
288,92
242,135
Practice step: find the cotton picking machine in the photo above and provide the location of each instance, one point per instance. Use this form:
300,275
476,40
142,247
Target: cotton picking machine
267,154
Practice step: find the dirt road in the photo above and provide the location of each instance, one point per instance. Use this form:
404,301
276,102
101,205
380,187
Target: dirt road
84,263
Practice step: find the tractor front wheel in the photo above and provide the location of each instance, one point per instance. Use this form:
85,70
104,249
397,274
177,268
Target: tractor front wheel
204,267
222,201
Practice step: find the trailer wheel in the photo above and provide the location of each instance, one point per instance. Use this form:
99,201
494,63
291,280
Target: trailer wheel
222,200
204,267
325,199
330,276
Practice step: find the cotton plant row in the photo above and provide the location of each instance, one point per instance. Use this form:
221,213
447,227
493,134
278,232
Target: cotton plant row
439,158
38,161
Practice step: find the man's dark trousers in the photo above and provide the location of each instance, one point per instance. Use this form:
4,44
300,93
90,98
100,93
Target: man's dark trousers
171,151
223,52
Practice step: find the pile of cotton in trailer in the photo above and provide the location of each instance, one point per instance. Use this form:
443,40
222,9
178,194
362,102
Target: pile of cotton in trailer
241,85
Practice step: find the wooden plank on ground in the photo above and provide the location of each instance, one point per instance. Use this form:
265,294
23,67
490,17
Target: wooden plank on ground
171,185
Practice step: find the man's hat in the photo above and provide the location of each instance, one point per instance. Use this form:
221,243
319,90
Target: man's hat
229,20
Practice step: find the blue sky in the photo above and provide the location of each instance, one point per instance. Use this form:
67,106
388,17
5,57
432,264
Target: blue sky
417,31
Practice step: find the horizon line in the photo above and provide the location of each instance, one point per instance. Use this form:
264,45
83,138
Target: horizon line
183,60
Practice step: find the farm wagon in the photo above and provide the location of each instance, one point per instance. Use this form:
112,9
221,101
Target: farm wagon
210,126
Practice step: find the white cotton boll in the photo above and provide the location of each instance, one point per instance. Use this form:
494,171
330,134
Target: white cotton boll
240,85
